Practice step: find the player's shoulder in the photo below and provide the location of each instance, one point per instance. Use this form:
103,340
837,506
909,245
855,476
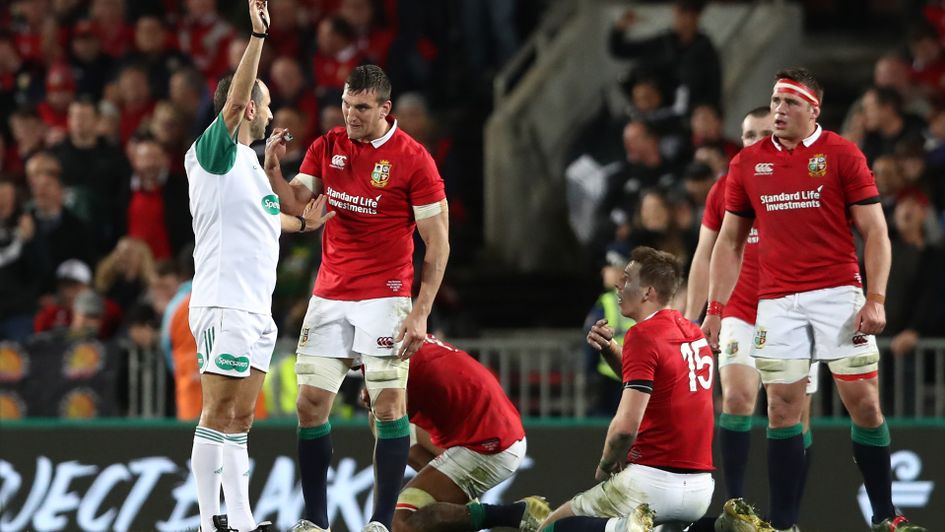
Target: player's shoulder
667,324
408,146
334,135
838,144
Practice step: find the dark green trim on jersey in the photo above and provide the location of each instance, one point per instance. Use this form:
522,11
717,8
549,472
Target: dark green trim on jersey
216,148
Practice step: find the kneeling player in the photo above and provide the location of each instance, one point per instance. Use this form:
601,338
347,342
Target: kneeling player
657,457
470,439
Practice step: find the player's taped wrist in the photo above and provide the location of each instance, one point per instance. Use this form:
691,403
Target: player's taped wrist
301,221
259,35
714,309
876,298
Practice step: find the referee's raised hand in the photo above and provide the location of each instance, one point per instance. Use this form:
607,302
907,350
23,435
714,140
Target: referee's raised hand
259,15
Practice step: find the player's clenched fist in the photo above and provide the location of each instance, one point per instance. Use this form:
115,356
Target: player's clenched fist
600,335
710,328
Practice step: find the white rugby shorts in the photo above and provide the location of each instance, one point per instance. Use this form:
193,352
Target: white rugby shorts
348,329
735,340
230,341
476,473
814,325
676,498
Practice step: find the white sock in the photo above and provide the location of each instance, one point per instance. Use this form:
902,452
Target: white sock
206,461
236,482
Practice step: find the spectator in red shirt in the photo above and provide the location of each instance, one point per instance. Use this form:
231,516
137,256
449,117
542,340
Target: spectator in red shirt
73,278
289,89
158,208
373,39
134,94
286,37
54,110
115,33
336,57
205,37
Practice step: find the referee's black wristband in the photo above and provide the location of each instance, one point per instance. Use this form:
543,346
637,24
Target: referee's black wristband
260,35
301,221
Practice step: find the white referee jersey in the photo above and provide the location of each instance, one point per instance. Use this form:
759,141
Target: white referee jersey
236,224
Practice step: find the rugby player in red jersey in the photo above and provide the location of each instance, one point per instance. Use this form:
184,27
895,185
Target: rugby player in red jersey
737,373
803,189
657,458
383,185
469,439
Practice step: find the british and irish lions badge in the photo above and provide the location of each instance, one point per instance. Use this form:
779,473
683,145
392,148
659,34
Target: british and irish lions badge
381,174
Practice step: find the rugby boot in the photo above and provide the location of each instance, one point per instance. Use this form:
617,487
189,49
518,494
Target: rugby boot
640,520
374,526
739,516
897,524
221,524
304,525
536,511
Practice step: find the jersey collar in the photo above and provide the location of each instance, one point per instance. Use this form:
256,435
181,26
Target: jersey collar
807,142
377,143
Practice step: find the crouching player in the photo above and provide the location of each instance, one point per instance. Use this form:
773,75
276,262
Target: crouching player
657,458
469,438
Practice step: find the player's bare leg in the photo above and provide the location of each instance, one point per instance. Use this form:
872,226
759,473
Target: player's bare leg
558,514
315,448
739,394
785,450
447,513
390,451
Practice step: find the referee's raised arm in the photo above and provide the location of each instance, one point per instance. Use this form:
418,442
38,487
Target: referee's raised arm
241,88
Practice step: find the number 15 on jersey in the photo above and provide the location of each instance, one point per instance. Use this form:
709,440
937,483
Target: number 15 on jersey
698,356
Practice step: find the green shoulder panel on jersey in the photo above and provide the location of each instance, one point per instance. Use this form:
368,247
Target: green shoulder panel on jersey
216,149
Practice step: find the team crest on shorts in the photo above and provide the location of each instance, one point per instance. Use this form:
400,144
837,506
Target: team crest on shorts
761,335
817,165
304,337
732,348
381,174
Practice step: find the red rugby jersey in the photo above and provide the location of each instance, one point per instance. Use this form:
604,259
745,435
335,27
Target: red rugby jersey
457,400
743,304
671,352
800,200
367,248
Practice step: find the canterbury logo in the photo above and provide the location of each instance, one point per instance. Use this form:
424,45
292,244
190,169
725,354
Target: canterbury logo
764,168
385,342
338,161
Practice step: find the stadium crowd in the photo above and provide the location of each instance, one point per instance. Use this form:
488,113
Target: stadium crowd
101,98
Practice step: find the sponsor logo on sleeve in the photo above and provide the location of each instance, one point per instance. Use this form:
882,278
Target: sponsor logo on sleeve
270,204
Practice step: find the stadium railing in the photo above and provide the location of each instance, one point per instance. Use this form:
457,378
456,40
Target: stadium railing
546,374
